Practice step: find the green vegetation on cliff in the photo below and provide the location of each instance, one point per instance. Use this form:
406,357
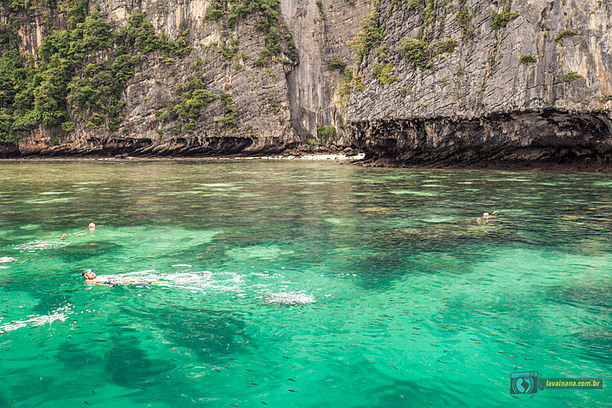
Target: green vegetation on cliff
80,74
566,33
231,12
464,20
215,11
570,76
319,4
383,73
335,64
527,59
502,19
421,51
326,134
371,35
422,54
228,120
13,79
193,99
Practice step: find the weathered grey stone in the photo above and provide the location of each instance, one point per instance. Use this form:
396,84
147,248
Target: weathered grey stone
477,103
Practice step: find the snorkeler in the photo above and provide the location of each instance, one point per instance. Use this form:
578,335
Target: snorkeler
92,279
91,228
486,217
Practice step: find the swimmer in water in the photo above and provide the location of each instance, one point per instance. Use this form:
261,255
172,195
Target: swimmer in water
486,217
92,279
91,228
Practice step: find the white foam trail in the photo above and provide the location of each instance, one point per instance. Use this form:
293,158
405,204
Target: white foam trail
59,314
187,278
148,272
181,266
204,280
34,246
201,280
5,259
290,299
147,276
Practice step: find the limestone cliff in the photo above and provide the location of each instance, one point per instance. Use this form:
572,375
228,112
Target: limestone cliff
473,80
409,82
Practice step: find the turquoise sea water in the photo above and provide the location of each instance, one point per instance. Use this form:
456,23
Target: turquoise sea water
403,299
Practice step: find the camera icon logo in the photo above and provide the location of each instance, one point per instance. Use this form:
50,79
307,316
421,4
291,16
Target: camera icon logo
525,382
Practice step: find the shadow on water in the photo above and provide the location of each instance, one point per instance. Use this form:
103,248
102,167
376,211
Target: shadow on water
594,335
433,390
45,290
212,254
380,271
209,334
50,301
86,250
127,365
123,361
75,357
4,403
596,344
22,394
447,247
598,297
423,255
5,243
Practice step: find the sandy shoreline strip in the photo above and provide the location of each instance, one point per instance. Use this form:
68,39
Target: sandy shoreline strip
359,156
356,159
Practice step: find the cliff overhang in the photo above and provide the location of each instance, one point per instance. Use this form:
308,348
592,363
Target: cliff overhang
527,139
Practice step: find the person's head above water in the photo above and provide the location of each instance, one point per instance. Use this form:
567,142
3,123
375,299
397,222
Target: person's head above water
92,226
88,274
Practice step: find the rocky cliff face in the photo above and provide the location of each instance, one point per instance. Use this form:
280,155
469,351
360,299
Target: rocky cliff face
409,82
475,81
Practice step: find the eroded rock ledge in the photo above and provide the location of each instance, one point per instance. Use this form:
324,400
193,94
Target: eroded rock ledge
144,147
547,139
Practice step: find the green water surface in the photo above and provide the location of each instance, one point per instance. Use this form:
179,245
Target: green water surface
400,298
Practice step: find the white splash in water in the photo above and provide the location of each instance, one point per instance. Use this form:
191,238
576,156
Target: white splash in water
181,266
290,299
224,281
58,314
202,280
5,259
199,281
34,246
